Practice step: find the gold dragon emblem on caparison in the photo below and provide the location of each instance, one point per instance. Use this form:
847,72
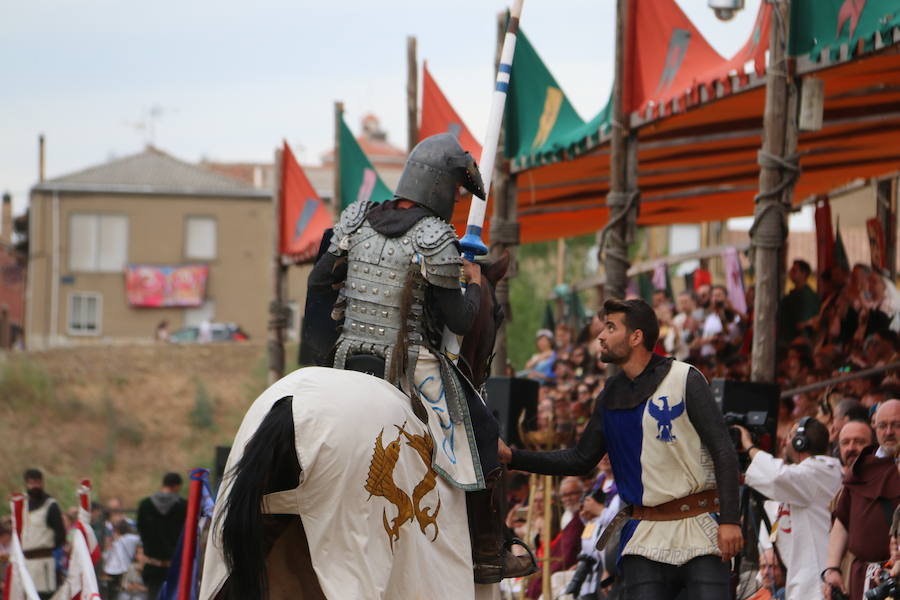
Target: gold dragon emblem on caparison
380,482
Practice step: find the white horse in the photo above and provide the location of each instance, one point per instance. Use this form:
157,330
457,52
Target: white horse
330,492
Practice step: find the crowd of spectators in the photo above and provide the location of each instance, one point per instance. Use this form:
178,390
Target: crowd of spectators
849,323
123,571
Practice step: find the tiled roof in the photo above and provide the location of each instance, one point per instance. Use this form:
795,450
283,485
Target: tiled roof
151,172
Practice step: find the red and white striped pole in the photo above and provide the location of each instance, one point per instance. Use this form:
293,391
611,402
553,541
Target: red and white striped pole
189,548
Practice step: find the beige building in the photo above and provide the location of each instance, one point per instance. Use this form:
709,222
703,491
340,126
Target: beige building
152,209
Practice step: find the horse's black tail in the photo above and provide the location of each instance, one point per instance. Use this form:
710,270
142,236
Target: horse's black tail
269,464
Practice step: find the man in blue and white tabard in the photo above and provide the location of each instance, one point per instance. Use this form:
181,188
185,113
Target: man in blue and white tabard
673,461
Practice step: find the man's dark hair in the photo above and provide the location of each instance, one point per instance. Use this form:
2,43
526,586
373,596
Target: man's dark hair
817,434
33,474
638,315
888,336
803,266
171,480
857,413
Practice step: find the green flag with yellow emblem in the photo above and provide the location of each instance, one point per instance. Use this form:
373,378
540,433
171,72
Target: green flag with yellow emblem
359,180
541,124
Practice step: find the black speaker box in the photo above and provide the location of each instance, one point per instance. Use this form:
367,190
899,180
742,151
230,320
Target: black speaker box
742,397
507,398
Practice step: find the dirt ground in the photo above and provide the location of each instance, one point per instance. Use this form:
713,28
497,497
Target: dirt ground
122,415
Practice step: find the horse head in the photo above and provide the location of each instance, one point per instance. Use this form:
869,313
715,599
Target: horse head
477,349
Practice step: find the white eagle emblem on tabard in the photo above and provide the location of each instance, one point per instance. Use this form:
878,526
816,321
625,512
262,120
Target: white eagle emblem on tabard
664,416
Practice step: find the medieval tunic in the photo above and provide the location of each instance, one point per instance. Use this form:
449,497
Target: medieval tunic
865,505
666,440
43,531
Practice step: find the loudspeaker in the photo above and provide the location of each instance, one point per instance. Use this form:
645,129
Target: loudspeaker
507,398
742,397
220,461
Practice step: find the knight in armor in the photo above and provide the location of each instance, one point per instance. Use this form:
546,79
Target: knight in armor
43,533
391,274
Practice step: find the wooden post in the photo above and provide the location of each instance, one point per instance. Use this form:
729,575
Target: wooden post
412,94
277,307
886,210
336,200
504,229
616,232
560,279
41,158
770,223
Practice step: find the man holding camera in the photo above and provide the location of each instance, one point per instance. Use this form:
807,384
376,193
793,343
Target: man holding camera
804,484
673,460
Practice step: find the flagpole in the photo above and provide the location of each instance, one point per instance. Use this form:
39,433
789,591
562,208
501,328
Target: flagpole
277,320
471,242
336,192
412,94
189,547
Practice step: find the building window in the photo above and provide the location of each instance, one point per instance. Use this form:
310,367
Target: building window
200,238
98,242
85,313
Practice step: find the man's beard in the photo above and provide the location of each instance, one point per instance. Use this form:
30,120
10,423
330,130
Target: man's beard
610,356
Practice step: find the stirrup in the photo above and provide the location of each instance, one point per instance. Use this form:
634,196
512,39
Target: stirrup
514,541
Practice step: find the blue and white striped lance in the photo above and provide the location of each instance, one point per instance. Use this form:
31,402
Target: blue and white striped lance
471,242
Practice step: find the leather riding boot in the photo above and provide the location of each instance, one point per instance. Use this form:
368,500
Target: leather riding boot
491,543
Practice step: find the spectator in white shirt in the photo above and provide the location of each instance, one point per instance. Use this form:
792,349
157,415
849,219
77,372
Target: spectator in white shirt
804,485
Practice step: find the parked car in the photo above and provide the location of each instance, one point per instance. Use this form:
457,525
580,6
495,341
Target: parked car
221,332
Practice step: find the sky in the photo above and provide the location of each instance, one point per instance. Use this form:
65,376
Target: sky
228,80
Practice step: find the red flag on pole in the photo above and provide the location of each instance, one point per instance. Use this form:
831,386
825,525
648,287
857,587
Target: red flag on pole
438,116
19,585
304,217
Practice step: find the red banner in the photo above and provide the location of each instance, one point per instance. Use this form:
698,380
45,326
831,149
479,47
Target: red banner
824,236
304,217
668,59
152,286
438,116
876,243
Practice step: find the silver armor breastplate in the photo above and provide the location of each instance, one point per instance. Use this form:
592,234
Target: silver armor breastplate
378,269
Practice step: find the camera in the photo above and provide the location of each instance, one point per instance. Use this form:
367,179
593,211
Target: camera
753,421
837,594
887,588
586,564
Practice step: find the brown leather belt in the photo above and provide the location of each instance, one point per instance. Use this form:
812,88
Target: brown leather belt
681,508
158,563
39,553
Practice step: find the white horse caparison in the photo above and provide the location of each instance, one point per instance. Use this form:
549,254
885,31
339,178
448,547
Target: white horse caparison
364,520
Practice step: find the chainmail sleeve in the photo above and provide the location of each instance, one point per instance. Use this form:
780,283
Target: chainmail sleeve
707,419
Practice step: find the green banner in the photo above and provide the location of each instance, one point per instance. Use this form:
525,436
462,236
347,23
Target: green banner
359,179
819,26
541,124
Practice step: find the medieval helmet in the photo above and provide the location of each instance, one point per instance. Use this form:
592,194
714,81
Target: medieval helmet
436,167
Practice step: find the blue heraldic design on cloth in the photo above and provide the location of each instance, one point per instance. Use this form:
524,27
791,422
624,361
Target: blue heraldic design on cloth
664,417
